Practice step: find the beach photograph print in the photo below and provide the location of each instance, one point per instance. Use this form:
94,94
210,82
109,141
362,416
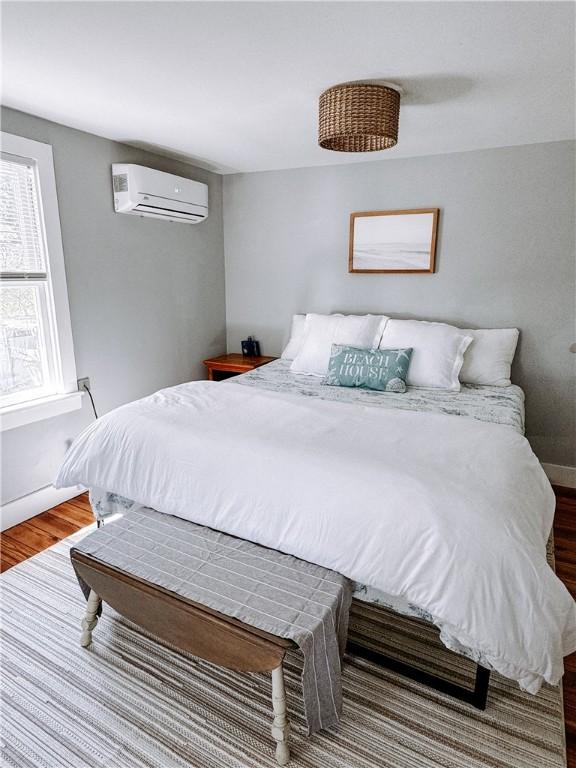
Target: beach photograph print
393,241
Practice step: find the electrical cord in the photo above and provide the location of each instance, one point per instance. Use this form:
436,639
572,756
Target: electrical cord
86,389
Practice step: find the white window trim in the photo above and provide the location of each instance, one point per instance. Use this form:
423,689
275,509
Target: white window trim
19,415
62,401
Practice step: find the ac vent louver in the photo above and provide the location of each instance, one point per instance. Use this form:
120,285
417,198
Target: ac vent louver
120,182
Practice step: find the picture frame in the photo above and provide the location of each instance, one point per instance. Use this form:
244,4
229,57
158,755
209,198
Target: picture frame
393,242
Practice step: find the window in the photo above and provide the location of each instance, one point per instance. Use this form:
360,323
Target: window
26,354
36,356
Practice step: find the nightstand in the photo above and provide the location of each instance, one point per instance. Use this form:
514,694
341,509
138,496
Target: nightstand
231,365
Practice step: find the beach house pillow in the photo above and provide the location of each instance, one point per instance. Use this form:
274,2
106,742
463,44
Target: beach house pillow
321,331
381,369
296,337
437,351
489,357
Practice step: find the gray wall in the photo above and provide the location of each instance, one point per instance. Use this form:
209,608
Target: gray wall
506,257
146,296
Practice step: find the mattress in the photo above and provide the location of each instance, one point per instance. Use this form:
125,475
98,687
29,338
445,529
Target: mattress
499,405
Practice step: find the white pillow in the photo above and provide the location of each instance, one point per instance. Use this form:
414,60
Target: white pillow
489,357
321,331
438,351
296,337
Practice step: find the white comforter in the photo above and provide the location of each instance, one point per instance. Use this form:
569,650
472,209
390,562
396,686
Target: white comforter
447,512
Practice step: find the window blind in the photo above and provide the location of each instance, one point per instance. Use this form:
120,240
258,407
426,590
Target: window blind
21,245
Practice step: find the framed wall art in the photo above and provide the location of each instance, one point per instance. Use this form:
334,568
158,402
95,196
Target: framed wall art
393,241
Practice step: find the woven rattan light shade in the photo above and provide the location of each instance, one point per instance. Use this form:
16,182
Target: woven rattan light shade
358,117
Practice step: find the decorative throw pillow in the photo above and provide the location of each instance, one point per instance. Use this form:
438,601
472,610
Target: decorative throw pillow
321,331
381,369
296,337
437,351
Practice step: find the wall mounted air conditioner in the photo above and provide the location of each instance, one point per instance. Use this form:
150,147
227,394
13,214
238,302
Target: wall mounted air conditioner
145,192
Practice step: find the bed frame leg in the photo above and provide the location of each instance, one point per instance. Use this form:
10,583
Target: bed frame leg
90,619
280,725
477,697
481,687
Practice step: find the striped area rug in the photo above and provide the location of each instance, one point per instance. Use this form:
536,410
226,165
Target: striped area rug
130,702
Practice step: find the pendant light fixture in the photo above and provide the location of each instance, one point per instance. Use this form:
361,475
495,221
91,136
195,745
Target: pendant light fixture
359,117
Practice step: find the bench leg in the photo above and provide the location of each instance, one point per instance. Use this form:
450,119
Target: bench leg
280,725
90,619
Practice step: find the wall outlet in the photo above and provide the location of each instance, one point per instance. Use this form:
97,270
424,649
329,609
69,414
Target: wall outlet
83,384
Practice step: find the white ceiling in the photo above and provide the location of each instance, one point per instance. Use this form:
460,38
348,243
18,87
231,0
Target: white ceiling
235,85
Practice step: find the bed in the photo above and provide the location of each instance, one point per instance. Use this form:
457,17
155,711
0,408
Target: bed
496,405
431,502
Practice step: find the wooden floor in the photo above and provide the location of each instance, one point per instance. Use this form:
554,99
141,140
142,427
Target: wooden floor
27,539
565,550
38,533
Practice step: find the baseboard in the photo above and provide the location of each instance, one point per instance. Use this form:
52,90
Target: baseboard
19,510
559,475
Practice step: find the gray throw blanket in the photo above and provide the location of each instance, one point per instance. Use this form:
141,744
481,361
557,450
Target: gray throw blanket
278,593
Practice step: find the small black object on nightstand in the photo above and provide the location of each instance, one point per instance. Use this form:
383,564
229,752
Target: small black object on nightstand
251,347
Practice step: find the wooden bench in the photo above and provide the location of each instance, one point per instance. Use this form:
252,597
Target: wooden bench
190,627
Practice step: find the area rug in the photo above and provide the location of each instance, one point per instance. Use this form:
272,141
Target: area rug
132,702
